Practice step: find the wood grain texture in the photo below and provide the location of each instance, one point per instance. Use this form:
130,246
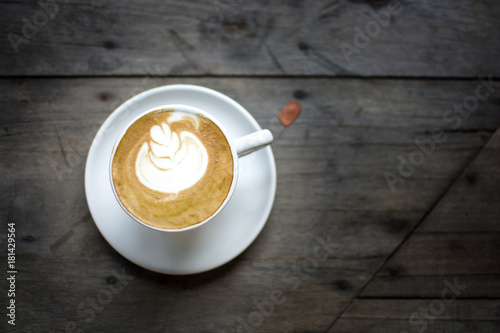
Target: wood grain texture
331,184
429,286
371,316
449,241
405,78
57,292
473,201
222,37
455,248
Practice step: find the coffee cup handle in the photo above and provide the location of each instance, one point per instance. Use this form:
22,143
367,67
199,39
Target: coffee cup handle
252,142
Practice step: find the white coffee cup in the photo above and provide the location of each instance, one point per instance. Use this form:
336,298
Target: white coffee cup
239,147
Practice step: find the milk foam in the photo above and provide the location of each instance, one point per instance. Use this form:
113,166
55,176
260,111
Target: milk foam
171,162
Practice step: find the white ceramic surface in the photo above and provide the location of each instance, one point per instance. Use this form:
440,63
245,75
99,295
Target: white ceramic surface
197,250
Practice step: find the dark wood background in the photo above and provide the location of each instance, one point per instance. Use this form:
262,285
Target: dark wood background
395,252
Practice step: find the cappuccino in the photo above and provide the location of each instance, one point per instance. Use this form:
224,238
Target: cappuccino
172,169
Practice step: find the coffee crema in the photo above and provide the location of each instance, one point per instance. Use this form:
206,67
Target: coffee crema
172,169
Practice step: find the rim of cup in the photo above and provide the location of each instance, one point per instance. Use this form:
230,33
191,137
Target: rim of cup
193,110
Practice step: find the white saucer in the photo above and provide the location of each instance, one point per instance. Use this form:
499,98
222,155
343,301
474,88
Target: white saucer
199,249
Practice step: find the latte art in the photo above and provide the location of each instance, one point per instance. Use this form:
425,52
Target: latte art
171,162
172,169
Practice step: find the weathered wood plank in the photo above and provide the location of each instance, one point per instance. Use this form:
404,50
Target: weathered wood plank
448,257
473,201
419,316
404,326
329,147
446,254
476,285
331,183
438,39
457,309
54,293
449,242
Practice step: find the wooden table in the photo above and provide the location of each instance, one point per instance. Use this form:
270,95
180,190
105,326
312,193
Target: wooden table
393,164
